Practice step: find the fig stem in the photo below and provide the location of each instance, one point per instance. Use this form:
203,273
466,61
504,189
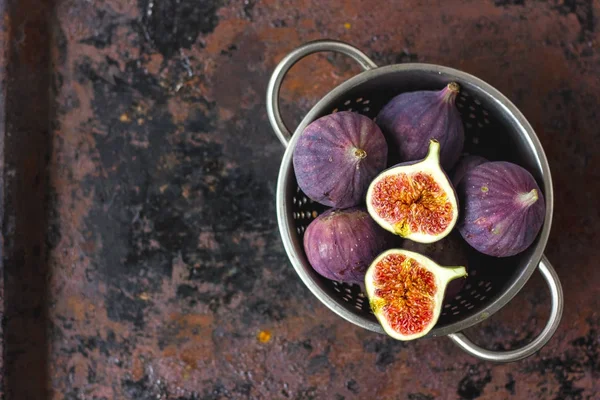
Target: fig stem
451,273
433,154
528,199
360,153
449,93
455,87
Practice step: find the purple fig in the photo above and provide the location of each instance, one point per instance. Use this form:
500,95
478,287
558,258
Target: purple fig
502,208
411,119
341,244
337,156
465,164
451,250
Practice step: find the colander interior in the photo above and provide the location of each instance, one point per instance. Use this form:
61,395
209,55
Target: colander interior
489,132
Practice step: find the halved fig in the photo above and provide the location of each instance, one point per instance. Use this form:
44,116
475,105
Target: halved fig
451,250
406,292
415,200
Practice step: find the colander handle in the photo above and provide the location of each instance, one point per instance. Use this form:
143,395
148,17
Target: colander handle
281,130
517,354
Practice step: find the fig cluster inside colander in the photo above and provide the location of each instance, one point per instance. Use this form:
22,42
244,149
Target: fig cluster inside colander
488,132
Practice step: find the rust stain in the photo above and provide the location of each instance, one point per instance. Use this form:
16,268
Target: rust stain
225,33
77,307
264,336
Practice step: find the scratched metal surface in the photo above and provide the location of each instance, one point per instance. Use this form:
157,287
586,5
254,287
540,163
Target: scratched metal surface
140,248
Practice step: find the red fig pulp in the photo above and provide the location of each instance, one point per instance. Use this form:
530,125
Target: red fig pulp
337,156
341,244
451,250
410,120
414,200
502,208
406,292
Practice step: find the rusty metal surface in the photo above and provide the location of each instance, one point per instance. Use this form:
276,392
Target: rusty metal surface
141,253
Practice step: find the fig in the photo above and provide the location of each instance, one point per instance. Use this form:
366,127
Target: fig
465,164
337,156
406,292
411,119
502,208
451,250
341,244
414,200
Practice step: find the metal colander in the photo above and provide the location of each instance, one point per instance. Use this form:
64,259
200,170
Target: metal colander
494,128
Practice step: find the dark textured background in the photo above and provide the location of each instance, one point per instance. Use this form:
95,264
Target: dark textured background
140,249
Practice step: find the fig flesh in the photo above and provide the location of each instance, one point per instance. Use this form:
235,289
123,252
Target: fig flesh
451,250
406,292
414,200
411,119
503,208
341,244
337,156
465,164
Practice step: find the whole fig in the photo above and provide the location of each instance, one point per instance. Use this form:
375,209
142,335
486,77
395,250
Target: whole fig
341,244
465,164
337,156
411,119
502,208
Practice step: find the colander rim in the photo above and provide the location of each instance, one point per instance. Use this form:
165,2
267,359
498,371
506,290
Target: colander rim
516,120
